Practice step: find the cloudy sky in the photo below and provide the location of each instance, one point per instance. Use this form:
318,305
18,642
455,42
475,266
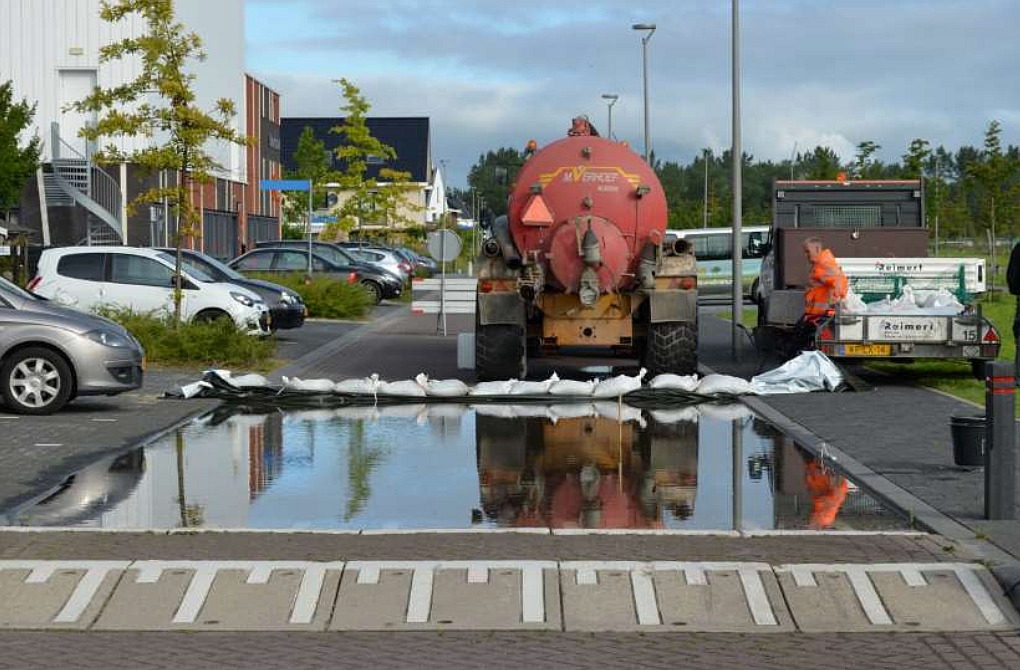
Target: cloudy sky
493,74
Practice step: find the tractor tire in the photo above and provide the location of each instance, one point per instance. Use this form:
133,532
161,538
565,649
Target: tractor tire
671,347
499,352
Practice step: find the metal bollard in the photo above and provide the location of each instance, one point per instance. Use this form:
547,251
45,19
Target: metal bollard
1000,451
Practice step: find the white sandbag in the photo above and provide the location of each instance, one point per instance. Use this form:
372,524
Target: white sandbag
367,386
712,385
734,411
572,387
193,389
687,414
618,385
534,388
442,388
852,303
308,385
674,382
940,302
250,381
571,410
808,372
618,411
496,410
530,411
404,387
501,387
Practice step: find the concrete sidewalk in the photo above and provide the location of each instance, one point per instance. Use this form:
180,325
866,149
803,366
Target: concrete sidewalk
900,432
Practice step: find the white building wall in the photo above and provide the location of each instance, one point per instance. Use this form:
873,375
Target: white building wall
41,38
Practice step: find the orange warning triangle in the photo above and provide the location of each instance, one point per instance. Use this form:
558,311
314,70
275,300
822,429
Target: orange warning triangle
536,212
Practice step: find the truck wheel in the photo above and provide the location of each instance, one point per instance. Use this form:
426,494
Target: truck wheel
671,347
499,352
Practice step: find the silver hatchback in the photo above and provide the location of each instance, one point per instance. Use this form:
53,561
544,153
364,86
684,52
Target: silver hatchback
50,354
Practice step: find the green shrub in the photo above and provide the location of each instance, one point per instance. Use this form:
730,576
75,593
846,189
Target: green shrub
216,343
326,297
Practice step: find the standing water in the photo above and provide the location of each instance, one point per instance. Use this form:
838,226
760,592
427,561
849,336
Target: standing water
714,467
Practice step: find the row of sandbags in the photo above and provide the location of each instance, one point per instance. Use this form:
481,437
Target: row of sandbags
910,302
554,412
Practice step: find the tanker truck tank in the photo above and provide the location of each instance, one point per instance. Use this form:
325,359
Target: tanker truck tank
581,262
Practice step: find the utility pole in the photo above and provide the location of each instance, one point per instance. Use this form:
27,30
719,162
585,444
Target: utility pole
612,98
938,201
738,165
793,158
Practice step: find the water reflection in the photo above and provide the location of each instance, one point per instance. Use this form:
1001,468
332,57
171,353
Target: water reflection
452,466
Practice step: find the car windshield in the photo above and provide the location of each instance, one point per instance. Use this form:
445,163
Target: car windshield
192,270
16,290
230,272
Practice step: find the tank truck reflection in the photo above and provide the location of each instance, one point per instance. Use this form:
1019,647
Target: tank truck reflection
587,472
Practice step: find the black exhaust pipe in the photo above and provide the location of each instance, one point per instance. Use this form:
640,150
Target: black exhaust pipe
501,233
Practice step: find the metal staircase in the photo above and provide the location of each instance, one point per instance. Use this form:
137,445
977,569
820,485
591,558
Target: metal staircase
73,179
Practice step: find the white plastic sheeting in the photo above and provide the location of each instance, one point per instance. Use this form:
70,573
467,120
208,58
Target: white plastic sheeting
811,371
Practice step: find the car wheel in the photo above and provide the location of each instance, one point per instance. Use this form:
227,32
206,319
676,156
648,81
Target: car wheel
36,381
374,290
210,315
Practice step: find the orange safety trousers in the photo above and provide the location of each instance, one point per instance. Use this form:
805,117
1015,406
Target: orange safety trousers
827,285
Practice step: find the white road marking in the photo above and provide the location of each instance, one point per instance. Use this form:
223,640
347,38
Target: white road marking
83,593
259,572
419,602
478,574
644,598
532,594
757,599
912,573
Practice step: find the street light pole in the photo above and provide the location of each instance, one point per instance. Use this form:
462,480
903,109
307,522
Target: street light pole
650,29
738,165
612,98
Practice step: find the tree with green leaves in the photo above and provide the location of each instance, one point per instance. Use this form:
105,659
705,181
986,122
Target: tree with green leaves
159,104
822,163
991,177
493,176
915,159
17,162
381,199
312,160
865,167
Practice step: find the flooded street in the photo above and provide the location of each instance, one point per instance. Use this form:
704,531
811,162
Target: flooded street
711,467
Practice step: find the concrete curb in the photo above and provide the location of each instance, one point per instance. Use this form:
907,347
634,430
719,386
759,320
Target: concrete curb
1003,565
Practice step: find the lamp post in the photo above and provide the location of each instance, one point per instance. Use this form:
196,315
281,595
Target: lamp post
704,197
738,165
612,98
649,28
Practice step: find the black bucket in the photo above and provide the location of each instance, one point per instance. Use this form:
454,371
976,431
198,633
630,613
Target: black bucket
968,440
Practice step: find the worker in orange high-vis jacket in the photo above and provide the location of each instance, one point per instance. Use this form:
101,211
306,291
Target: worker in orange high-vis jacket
827,284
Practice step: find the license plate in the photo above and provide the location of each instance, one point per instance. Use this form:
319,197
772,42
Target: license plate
867,349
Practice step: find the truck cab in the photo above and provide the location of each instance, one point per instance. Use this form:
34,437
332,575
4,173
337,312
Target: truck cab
876,231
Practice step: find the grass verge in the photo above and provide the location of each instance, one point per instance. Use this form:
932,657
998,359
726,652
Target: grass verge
749,317
216,343
326,297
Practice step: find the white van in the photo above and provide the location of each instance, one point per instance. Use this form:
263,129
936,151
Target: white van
88,278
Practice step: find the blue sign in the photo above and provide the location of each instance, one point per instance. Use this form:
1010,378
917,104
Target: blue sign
323,218
285,185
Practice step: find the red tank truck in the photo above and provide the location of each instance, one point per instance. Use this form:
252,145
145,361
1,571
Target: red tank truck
581,260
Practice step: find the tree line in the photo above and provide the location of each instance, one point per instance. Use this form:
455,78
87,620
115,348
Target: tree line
972,190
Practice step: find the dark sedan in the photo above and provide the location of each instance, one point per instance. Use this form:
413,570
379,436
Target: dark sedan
390,284
286,306
289,260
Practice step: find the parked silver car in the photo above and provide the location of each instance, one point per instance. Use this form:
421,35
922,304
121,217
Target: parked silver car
50,354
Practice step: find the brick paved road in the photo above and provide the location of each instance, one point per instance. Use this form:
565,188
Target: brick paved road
108,651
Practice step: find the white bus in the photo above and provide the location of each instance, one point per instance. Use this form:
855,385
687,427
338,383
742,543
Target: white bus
713,247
